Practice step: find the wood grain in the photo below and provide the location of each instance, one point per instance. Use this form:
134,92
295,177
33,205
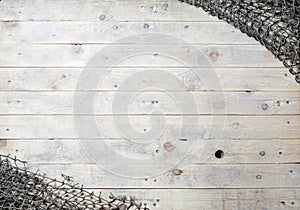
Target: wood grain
192,176
235,127
230,79
62,151
143,103
40,55
45,46
119,11
107,32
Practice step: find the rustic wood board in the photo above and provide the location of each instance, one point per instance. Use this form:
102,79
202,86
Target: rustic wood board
46,44
64,79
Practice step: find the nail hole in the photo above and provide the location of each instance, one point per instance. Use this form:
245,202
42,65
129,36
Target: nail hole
102,17
258,176
219,154
115,86
278,103
146,26
177,172
292,203
282,202
157,200
287,102
146,179
115,27
186,26
165,6
280,153
7,129
288,122
262,153
154,204
264,106
9,81
285,75
291,171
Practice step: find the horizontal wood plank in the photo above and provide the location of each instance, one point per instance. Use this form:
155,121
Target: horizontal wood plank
192,176
142,102
230,79
235,151
151,55
226,199
142,127
107,32
91,10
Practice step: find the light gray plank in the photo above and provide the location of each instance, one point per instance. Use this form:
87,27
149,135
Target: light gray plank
23,55
65,79
142,102
192,176
226,199
107,32
235,127
91,10
70,151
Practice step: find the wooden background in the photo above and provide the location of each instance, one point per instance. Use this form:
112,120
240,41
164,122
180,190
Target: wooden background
44,46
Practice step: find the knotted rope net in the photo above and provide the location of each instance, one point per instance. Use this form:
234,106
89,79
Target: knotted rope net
22,189
274,23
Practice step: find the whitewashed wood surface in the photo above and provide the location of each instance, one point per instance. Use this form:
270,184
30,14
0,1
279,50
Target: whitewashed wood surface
44,45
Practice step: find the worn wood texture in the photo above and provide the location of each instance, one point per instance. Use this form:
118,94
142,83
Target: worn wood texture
61,103
235,127
67,151
91,10
71,55
64,79
44,46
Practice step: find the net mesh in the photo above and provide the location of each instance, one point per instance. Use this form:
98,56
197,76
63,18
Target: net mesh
274,23
22,189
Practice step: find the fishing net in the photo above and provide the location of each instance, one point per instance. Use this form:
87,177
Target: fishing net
22,189
274,23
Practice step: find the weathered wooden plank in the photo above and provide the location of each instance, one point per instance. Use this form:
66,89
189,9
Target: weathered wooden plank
107,32
91,10
260,151
24,55
230,79
226,199
144,102
235,151
191,176
235,127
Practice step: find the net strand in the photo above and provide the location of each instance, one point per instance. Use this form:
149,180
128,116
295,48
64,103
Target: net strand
274,23
22,189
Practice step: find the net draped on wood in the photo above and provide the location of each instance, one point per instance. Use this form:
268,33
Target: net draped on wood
274,23
22,189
